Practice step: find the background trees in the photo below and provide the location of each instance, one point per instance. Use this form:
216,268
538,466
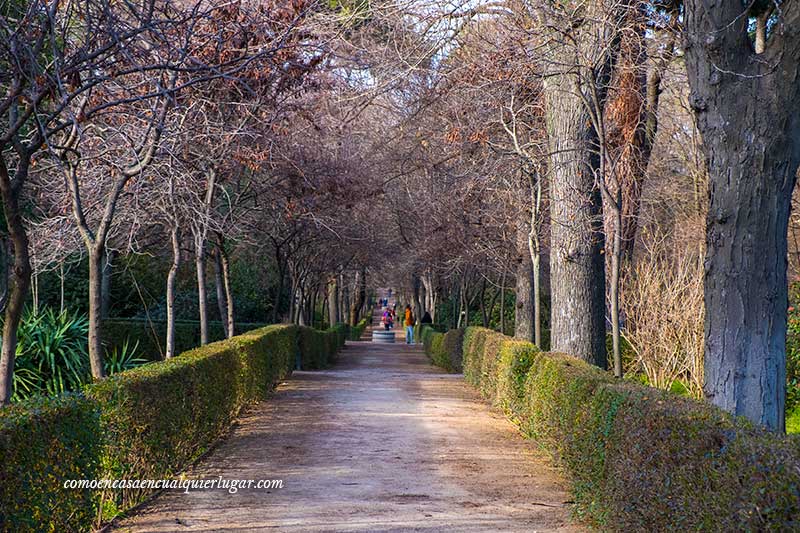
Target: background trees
497,162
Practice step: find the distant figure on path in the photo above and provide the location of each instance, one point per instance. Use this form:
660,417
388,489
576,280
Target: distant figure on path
426,318
387,319
409,323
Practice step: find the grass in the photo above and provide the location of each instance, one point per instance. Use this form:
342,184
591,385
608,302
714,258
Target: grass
793,421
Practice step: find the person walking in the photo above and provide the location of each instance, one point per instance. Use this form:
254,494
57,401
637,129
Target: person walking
387,319
409,323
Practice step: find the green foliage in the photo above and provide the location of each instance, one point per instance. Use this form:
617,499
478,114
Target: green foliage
144,423
793,421
318,348
151,335
51,355
443,349
121,358
793,359
43,443
161,416
638,457
357,331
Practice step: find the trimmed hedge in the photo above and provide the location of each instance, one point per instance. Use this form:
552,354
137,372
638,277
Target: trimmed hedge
318,348
151,335
639,458
145,423
358,330
43,443
443,349
419,330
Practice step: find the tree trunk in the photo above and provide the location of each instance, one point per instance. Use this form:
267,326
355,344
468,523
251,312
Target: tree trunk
482,300
536,264
230,304
524,309
105,286
222,301
503,303
171,281
20,279
416,283
96,255
333,304
281,282
748,113
358,302
576,227
202,296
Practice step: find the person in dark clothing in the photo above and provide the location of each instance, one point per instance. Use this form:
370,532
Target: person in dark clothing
426,318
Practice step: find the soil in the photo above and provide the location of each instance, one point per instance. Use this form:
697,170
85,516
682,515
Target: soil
381,442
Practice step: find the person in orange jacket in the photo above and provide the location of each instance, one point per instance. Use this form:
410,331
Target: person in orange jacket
409,324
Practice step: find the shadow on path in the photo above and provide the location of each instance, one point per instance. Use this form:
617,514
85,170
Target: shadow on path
382,442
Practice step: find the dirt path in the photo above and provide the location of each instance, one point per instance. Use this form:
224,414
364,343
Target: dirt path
383,442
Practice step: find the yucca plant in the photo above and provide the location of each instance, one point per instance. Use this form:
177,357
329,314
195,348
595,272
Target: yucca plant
52,355
121,358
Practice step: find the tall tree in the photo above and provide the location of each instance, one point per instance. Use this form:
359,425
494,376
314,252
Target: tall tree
747,106
578,60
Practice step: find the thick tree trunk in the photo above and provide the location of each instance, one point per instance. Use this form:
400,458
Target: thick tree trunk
96,255
20,281
577,265
202,296
748,112
524,310
171,282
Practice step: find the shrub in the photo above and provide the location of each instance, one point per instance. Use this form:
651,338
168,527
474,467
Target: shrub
159,417
318,348
358,330
43,443
444,349
419,330
52,355
516,359
640,458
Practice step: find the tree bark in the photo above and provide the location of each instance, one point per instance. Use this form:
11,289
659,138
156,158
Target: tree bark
416,283
171,282
524,308
748,113
503,302
226,282
20,275
220,289
202,296
333,302
361,296
105,286
576,224
96,255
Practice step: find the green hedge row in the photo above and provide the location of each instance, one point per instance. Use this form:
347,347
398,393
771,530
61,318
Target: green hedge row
639,458
358,330
146,423
151,335
318,348
43,443
443,349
